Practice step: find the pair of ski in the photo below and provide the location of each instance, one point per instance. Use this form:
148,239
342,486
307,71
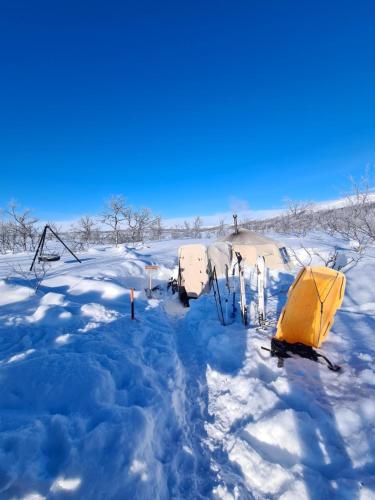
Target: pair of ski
261,273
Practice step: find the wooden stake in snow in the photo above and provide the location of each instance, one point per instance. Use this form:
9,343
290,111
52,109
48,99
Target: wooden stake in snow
150,269
132,303
261,283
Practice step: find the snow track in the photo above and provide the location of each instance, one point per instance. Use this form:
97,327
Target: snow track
213,468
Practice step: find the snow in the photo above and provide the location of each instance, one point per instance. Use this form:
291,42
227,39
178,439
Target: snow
10,294
173,404
65,484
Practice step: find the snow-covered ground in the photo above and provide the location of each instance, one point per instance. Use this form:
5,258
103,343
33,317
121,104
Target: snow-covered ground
94,405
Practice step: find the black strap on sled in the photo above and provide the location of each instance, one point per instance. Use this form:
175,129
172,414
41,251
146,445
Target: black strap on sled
173,285
282,350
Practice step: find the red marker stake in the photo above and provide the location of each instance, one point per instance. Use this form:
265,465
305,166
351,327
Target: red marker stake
132,303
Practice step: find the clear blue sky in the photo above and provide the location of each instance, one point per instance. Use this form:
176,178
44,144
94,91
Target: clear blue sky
182,105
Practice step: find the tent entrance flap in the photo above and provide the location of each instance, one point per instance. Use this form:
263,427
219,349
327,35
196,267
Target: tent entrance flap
313,300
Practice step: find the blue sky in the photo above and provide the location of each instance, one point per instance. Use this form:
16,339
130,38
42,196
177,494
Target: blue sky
183,106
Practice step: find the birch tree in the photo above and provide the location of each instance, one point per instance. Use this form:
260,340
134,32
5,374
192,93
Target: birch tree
114,215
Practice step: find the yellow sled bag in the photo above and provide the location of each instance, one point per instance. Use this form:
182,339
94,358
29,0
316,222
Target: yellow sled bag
313,300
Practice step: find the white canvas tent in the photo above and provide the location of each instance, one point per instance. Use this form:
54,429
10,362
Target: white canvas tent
220,255
252,245
196,261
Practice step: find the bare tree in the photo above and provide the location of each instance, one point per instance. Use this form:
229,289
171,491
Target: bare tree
156,230
197,227
176,232
34,277
356,222
138,222
333,258
56,228
187,231
7,236
221,228
24,225
86,230
114,215
298,218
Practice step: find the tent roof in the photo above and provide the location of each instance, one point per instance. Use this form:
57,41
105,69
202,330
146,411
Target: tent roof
246,237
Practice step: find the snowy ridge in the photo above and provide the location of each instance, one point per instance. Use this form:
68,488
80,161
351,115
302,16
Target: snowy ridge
213,220
248,214
174,405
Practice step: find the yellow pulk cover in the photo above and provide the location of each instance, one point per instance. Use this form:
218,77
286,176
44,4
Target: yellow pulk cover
313,300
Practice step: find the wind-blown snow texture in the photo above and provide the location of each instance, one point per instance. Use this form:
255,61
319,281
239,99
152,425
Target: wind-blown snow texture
174,405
